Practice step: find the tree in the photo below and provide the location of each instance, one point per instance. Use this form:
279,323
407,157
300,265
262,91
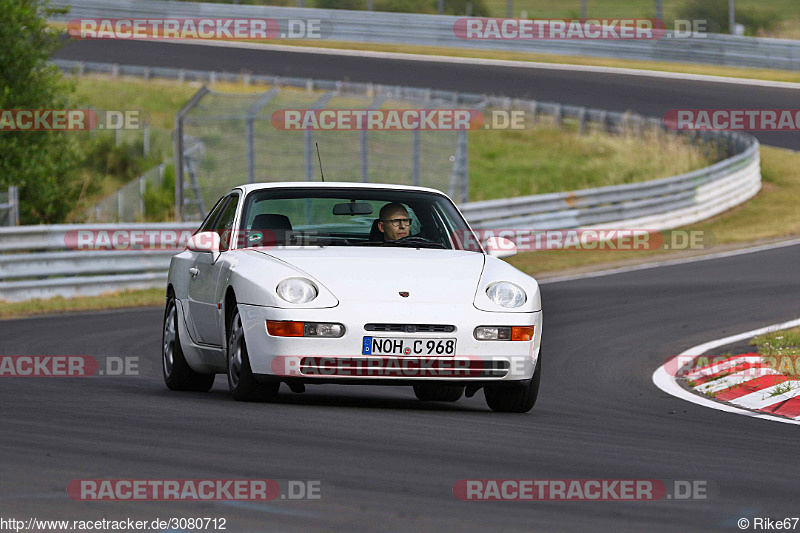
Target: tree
43,164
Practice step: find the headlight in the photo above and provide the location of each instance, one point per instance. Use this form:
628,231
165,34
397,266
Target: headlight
506,294
297,290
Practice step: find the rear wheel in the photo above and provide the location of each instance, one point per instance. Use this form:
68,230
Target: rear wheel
430,392
515,399
178,375
241,380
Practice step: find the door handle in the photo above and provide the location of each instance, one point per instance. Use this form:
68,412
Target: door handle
194,272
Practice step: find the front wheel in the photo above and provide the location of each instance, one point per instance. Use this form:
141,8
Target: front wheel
241,380
515,399
178,375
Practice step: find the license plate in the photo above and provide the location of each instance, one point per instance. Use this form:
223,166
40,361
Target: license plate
398,346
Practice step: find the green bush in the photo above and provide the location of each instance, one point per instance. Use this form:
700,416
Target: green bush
459,7
404,6
341,4
755,21
451,7
159,201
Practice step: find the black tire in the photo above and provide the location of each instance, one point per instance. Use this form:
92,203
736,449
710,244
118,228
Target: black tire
431,392
178,375
242,382
515,399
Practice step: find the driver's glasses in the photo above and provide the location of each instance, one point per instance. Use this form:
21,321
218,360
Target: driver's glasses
397,222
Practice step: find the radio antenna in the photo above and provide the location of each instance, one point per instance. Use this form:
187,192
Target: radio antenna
322,174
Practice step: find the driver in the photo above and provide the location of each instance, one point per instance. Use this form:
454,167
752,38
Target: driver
393,222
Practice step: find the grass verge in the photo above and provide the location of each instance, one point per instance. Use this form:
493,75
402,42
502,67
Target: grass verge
59,304
780,350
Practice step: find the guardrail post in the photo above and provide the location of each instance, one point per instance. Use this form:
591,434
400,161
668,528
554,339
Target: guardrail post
557,115
119,206
146,139
582,120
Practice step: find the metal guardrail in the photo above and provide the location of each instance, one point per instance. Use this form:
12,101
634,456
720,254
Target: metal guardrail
437,30
37,262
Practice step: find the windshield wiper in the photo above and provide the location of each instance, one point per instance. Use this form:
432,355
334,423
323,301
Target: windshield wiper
416,242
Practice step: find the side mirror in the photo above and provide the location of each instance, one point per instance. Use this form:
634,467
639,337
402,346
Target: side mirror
205,241
500,247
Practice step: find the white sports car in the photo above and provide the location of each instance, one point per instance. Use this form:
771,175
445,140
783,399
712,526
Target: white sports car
305,283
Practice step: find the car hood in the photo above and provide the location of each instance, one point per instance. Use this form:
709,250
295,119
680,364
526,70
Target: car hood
362,274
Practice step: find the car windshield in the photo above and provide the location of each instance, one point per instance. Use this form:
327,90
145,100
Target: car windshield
352,217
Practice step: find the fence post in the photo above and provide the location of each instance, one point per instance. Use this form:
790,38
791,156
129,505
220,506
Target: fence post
415,157
142,190
146,139
250,131
308,138
364,156
464,152
119,206
13,200
178,147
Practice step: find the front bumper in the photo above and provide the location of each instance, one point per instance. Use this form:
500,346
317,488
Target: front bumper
327,360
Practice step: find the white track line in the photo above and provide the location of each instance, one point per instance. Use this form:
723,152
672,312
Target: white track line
492,62
766,396
667,383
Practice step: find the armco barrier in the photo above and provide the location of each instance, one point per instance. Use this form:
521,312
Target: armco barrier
437,30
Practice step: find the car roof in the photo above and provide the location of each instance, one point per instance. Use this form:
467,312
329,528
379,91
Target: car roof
248,188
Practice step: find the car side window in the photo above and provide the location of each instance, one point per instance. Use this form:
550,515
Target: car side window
225,222
208,223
